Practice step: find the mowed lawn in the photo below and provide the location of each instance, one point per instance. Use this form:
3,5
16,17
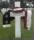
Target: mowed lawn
9,32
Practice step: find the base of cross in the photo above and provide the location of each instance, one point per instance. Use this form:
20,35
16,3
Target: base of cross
18,39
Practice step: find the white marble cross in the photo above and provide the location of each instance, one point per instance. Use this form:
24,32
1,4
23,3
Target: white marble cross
17,22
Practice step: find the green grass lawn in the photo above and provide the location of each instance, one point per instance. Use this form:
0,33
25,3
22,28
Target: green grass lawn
9,32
